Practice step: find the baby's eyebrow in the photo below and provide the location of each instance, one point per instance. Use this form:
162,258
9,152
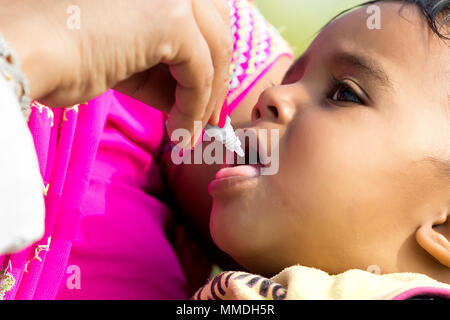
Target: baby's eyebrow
365,64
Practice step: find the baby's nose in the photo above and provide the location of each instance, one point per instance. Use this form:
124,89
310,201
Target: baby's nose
274,105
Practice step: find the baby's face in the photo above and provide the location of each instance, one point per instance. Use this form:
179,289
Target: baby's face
358,115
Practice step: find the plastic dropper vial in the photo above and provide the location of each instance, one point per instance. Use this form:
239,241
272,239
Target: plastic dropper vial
224,132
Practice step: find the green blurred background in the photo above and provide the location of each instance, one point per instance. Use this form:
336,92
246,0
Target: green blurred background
300,20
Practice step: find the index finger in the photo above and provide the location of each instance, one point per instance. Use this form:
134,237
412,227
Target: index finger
217,32
194,74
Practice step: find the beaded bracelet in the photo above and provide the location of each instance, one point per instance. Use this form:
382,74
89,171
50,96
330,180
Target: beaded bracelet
10,69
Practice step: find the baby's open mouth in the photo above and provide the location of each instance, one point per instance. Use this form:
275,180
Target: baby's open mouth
247,166
238,175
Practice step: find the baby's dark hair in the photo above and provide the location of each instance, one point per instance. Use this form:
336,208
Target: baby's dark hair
437,13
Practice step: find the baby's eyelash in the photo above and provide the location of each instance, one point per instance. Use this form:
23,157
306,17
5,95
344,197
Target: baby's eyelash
336,84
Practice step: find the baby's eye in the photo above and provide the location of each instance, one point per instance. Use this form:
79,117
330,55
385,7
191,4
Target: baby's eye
344,93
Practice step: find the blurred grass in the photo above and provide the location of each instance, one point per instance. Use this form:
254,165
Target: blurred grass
300,20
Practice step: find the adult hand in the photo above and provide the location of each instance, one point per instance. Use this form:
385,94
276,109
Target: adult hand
171,54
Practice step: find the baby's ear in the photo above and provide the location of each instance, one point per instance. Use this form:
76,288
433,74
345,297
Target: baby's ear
434,237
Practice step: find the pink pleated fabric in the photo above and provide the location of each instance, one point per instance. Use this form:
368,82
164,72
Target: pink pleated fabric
109,229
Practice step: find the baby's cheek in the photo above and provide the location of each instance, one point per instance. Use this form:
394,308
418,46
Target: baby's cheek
323,166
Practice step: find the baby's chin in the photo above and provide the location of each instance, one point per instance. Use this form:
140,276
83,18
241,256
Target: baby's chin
240,234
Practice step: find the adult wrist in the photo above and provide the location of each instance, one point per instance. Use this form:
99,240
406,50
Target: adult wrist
26,37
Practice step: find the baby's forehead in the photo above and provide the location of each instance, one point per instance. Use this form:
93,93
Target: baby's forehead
399,40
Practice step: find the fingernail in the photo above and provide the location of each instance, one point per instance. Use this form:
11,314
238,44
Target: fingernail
223,114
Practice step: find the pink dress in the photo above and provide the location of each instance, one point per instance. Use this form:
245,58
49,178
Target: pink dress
109,230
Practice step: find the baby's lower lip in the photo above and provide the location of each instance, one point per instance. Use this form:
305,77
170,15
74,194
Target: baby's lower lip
248,171
232,181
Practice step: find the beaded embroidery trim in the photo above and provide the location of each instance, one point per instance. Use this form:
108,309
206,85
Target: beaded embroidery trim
10,69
